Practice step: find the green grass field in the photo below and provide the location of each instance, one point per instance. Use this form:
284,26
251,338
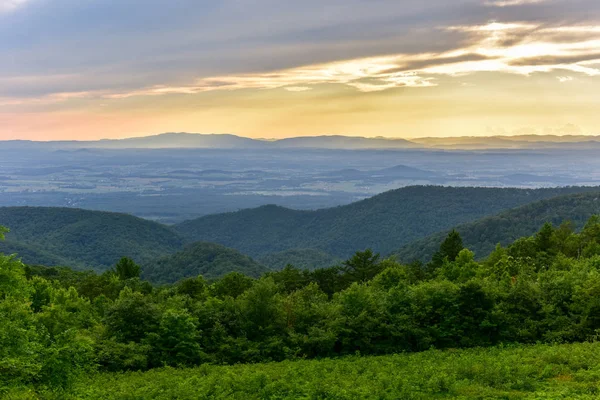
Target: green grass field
519,372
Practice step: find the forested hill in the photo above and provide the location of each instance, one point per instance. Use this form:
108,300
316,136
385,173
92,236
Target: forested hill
94,239
81,238
383,223
207,259
483,235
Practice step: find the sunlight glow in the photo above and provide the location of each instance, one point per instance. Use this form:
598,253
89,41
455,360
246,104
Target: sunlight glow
515,48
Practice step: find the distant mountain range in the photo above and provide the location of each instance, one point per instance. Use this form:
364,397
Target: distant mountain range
578,142
228,141
220,141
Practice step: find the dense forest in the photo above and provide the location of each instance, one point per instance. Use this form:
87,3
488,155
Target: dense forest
82,238
273,236
483,235
383,223
207,259
58,325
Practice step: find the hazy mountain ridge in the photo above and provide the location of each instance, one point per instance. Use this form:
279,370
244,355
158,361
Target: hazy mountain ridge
271,234
384,222
523,142
229,141
221,141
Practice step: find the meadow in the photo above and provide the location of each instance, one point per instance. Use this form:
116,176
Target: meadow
569,371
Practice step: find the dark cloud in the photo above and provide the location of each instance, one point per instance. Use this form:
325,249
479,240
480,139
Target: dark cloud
413,65
74,45
547,60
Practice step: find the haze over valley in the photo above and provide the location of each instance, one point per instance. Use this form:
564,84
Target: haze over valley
174,177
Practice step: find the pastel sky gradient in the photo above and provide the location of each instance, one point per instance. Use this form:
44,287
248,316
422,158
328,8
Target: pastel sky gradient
73,69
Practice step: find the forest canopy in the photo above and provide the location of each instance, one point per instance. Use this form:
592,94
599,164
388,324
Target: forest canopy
57,324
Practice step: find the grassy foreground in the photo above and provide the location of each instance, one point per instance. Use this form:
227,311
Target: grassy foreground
520,372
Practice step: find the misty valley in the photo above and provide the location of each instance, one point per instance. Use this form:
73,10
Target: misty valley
172,185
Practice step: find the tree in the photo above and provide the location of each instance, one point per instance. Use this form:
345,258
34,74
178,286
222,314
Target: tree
460,270
449,250
543,239
313,321
565,239
591,230
262,310
393,275
363,266
233,285
193,287
3,230
452,246
176,341
126,268
329,279
291,278
132,317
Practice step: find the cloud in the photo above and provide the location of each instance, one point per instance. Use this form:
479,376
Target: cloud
10,5
564,79
129,48
533,52
297,88
512,3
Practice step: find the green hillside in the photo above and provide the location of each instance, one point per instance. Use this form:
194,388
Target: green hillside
93,239
81,238
31,253
207,259
300,258
383,223
483,235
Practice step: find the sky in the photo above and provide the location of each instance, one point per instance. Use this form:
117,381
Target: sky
73,69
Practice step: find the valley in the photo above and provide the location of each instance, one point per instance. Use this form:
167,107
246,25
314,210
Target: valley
171,185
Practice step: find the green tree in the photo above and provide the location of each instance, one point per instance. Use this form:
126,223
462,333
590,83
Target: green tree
313,322
176,341
132,317
21,348
543,239
393,275
460,270
565,239
262,310
449,250
362,309
329,279
233,284
193,287
591,230
291,278
126,268
362,266
3,231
